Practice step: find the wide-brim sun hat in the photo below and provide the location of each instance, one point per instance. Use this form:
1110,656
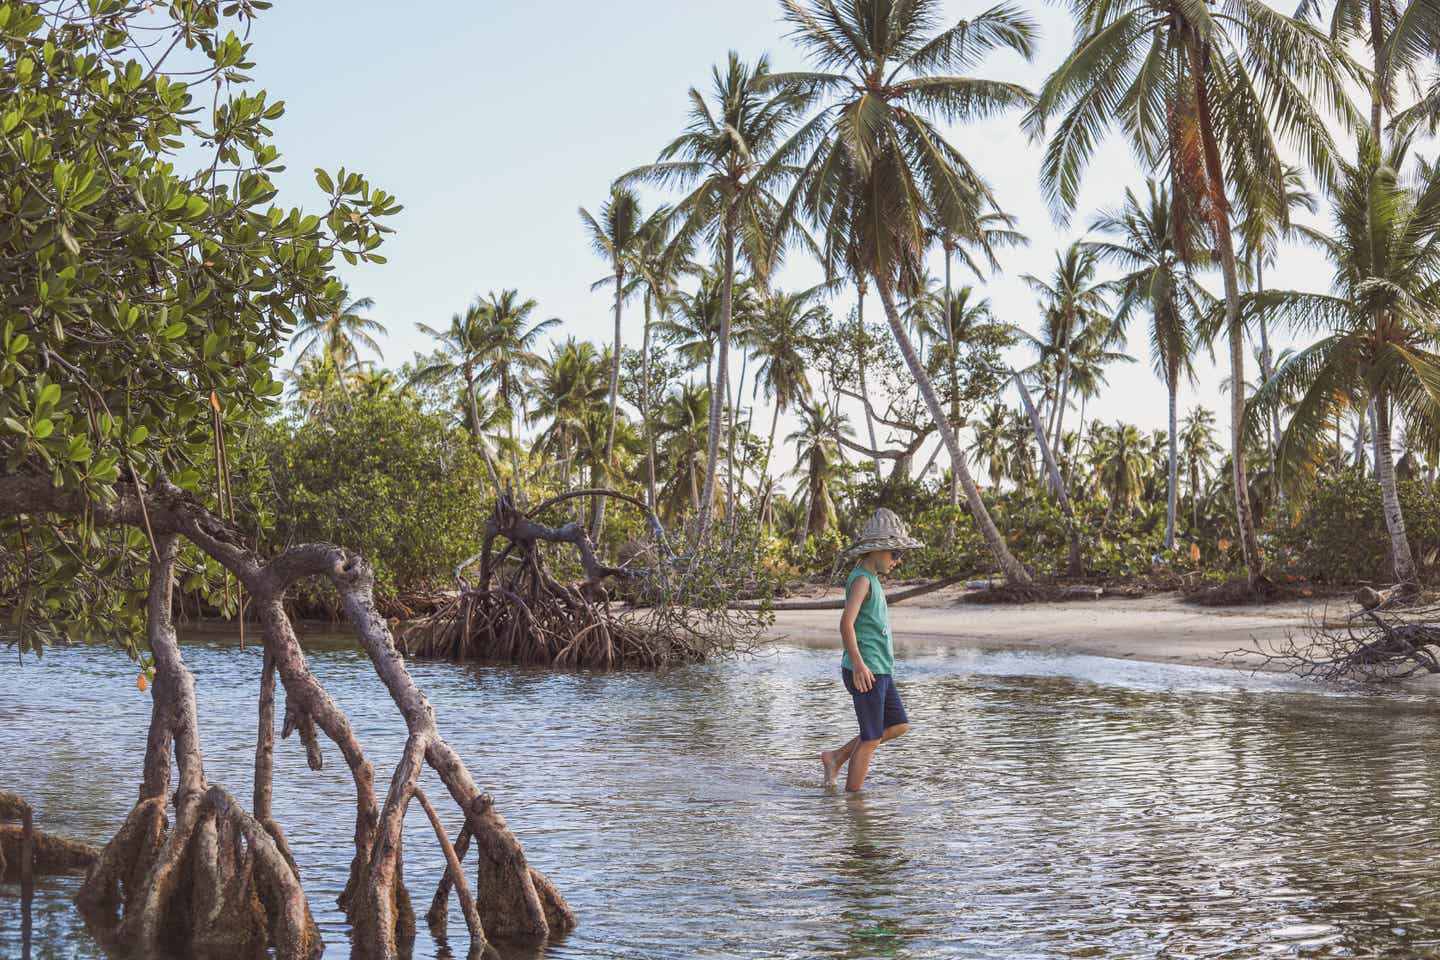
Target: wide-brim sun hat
884,531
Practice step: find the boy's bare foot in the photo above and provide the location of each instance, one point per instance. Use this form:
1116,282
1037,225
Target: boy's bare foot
832,770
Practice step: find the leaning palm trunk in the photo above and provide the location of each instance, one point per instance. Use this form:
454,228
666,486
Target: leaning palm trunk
954,374
1013,570
1401,557
1265,370
1245,520
864,384
1172,475
1074,566
599,524
645,429
485,453
722,380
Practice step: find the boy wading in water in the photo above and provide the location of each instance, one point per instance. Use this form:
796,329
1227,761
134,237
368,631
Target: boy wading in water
868,665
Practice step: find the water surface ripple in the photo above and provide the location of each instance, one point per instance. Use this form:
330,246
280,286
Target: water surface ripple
1041,807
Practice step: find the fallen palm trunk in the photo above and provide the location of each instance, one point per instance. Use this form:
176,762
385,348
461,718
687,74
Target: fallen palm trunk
838,603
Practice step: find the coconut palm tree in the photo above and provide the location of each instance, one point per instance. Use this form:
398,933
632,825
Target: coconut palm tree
659,264
817,449
876,173
682,432
507,357
461,350
719,159
1380,339
1198,450
965,318
337,334
569,386
780,342
1073,304
990,445
617,235
1210,93
1122,461
1156,281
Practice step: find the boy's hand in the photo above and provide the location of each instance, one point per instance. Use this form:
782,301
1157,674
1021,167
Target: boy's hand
864,679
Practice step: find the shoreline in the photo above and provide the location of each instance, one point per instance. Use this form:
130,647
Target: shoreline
1159,628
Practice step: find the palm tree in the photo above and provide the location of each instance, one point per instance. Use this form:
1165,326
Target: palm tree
682,430
1210,94
780,342
965,318
880,173
506,353
720,160
1156,280
1074,304
1260,229
658,266
1198,448
990,445
618,236
337,334
817,448
461,351
1122,462
571,385
1380,336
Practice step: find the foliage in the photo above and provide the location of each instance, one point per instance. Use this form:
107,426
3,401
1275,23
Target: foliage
134,292
1340,533
401,486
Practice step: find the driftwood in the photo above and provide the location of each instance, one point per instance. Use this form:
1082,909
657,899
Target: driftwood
512,608
839,603
1370,645
190,869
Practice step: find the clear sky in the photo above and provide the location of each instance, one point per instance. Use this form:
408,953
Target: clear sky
493,122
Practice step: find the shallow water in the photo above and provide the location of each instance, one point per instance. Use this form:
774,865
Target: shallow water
1041,806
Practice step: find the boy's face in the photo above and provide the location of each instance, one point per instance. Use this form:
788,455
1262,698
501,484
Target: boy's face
885,560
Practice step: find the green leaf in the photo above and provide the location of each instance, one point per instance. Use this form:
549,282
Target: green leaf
175,330
323,179
18,345
138,435
42,428
212,345
49,396
14,426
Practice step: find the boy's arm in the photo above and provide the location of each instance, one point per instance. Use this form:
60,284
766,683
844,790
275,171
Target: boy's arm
855,596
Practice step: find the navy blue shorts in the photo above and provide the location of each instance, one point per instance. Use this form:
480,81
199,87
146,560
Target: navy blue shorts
876,708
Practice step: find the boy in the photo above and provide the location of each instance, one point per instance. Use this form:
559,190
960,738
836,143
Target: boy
867,666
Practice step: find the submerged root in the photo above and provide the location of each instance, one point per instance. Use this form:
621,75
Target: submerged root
52,854
212,884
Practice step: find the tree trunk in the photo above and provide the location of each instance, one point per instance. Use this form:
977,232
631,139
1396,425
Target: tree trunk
1172,484
647,432
730,444
864,386
1245,520
1074,563
485,453
954,370
1400,555
1014,572
1266,370
599,527
722,379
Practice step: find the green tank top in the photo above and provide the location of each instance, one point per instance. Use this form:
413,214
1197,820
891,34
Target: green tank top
872,627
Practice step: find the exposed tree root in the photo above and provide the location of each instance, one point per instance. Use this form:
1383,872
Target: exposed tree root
52,854
1372,646
516,611
219,881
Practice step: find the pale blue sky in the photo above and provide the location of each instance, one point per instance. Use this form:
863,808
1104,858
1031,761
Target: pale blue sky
492,122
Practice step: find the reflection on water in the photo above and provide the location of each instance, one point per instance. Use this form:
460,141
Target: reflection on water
1041,806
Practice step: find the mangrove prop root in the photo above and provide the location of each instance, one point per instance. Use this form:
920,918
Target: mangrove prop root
249,878
517,611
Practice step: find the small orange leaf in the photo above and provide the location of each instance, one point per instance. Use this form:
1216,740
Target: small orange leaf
140,682
1194,553
1224,546
214,401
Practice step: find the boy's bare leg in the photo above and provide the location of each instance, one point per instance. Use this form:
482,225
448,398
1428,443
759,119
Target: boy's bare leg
833,760
862,752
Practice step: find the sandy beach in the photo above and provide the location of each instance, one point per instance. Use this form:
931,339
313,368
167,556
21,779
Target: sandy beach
1158,628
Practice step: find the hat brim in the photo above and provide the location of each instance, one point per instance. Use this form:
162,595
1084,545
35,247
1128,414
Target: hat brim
885,543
